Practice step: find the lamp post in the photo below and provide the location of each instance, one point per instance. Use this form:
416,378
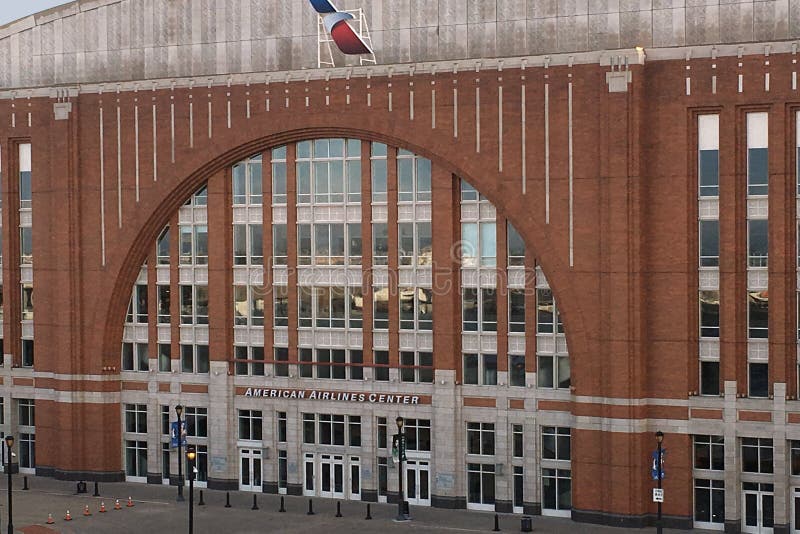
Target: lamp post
179,412
402,514
191,454
9,444
659,439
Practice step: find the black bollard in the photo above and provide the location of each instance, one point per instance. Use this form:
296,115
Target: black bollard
310,507
201,502
338,509
282,508
25,483
255,502
369,515
496,523
96,489
227,500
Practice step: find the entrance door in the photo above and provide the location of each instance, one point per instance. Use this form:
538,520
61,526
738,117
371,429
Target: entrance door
250,470
309,487
796,510
418,482
331,476
758,508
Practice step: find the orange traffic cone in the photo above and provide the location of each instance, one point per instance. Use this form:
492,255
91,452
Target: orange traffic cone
117,506
86,511
130,503
49,519
102,509
67,517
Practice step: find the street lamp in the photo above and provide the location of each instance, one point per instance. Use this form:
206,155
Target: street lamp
402,511
9,444
191,454
179,412
659,439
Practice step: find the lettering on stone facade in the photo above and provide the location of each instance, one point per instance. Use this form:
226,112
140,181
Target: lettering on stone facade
338,396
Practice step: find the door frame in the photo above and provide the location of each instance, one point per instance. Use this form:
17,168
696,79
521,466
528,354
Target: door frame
252,454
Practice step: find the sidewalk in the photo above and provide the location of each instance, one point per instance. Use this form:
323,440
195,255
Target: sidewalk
156,511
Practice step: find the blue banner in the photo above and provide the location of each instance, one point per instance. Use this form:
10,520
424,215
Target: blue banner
654,466
173,434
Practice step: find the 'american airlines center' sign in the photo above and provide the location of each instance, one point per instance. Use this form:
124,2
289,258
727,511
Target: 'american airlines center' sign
343,396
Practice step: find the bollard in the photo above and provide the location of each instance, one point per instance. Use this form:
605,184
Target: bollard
310,507
201,502
25,483
255,503
96,489
227,500
282,508
369,515
496,523
338,509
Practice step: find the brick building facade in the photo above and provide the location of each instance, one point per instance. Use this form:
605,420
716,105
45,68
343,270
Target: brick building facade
537,258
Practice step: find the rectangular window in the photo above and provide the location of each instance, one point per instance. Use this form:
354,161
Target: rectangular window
164,357
480,484
418,434
556,489
416,366
27,302
709,452
194,359
553,371
516,247
26,245
279,246
25,189
283,471
281,361
757,243
517,447
134,357
162,247
709,378
281,309
757,154
135,458
708,155
383,476
547,319
379,172
250,425
381,365
196,422
709,243
516,310
758,314
556,443
163,304
380,244
136,418
282,420
480,369
382,433
28,353
480,439
757,455
279,175
709,314
794,457
516,370
758,378
26,412
709,501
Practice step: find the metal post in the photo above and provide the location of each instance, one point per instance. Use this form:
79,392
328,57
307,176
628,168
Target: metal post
401,509
191,455
178,412
191,499
659,528
9,442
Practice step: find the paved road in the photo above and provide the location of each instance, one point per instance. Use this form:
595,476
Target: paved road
156,511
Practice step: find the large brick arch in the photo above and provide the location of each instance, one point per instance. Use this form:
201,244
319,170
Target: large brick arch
176,190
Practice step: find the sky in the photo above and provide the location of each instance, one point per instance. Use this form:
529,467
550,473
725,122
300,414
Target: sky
11,10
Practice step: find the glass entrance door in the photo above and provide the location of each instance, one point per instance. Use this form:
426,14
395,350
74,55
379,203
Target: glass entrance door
417,485
331,479
250,470
758,508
